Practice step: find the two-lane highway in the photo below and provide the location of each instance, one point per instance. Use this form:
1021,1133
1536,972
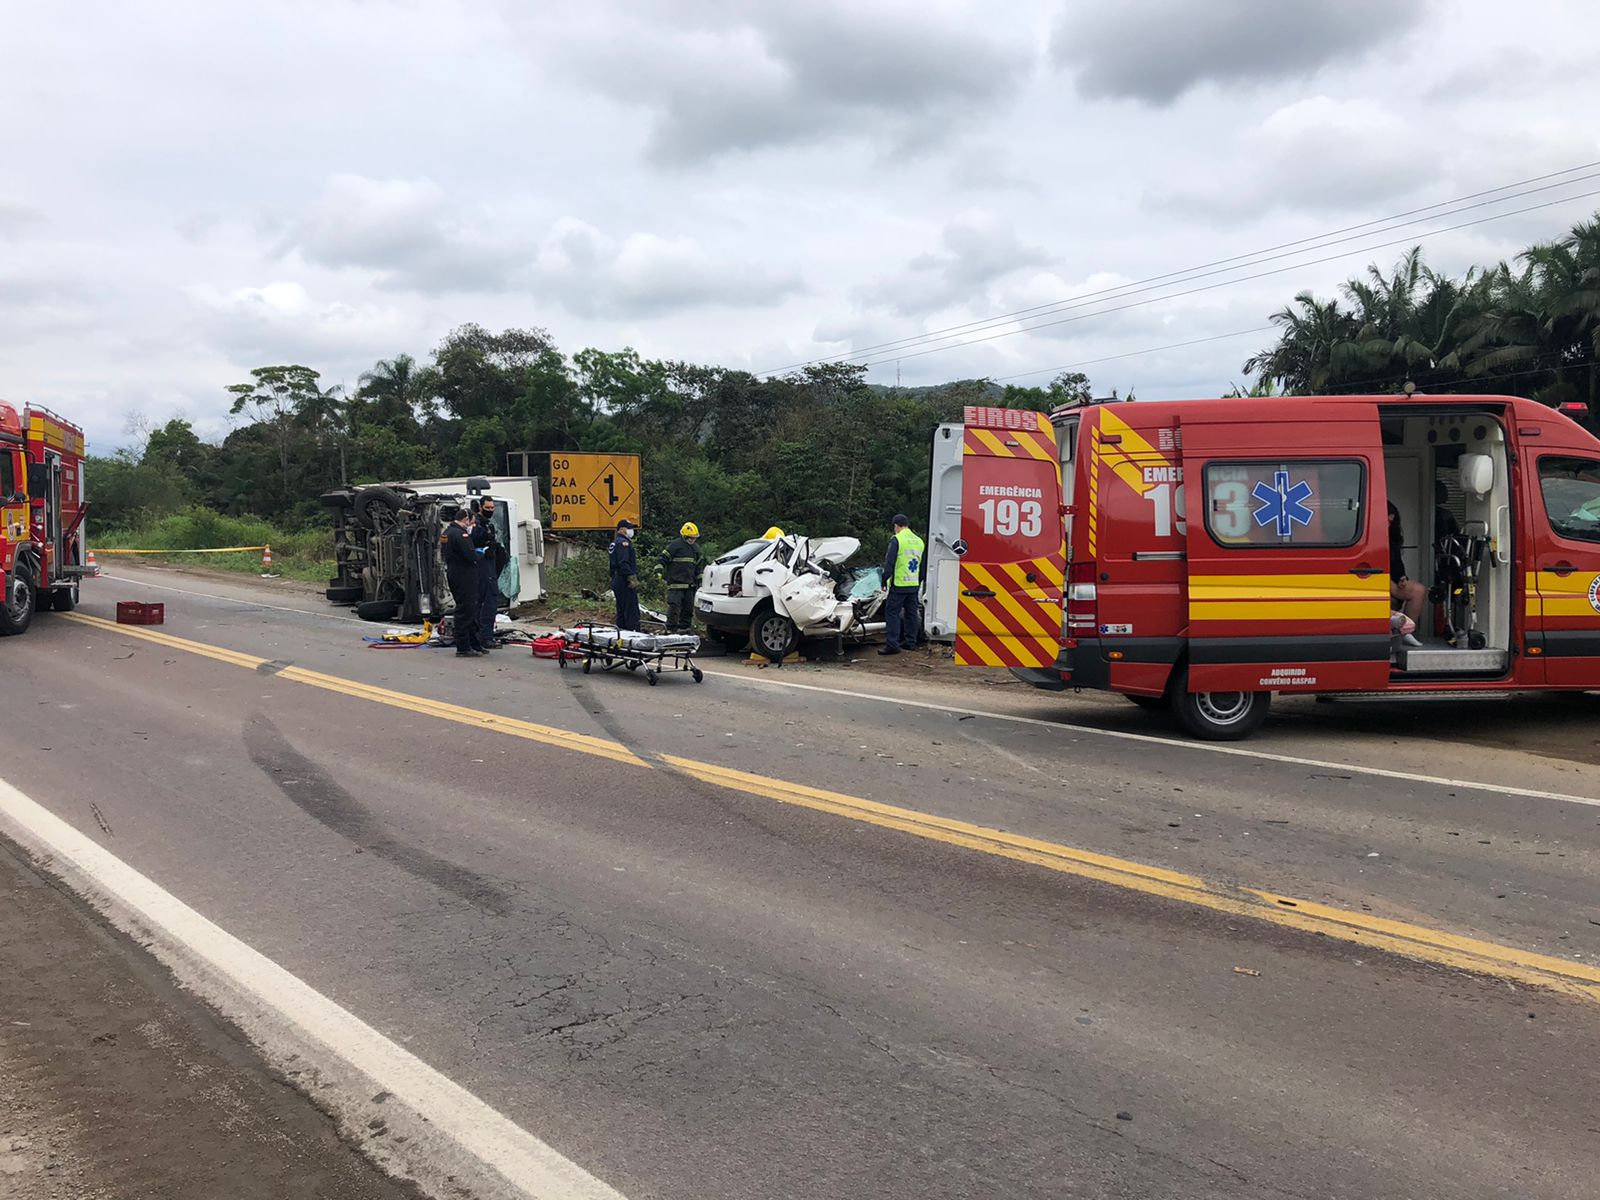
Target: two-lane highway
849,937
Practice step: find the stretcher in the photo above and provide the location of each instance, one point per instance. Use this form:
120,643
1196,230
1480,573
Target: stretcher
608,647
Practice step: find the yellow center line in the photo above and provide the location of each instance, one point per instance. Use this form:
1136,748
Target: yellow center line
1364,929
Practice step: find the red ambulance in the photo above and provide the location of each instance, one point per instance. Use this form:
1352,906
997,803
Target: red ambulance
42,551
1203,555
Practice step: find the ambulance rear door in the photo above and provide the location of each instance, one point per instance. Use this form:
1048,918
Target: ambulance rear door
1011,553
1288,554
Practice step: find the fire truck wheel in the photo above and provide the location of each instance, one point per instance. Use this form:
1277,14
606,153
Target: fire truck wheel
16,613
1218,716
60,599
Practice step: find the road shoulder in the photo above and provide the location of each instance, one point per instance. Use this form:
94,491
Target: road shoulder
116,1083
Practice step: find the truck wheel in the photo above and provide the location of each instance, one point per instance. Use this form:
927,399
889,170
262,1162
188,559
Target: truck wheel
773,634
59,599
343,594
376,506
17,611
1218,716
378,610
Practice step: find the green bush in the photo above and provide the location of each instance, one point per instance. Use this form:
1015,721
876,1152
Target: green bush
304,555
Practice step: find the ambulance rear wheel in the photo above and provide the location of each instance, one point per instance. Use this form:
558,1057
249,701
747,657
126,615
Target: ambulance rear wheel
16,613
1219,716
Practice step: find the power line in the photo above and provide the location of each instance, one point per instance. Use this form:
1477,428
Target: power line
1234,262
1230,282
1089,362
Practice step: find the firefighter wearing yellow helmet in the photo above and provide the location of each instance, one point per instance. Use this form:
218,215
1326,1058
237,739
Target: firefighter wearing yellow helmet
682,562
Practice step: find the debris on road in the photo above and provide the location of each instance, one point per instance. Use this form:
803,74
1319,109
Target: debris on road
1247,971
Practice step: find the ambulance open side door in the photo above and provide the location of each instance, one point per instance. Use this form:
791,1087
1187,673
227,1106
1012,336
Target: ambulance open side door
1012,549
1288,556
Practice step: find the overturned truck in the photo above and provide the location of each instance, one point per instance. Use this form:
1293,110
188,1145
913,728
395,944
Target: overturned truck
387,551
388,544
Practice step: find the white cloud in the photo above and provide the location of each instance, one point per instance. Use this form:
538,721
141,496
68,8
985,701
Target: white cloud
725,182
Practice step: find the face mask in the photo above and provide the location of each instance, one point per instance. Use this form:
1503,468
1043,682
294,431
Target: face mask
628,533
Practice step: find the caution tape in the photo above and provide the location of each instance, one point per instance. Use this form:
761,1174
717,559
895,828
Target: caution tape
212,550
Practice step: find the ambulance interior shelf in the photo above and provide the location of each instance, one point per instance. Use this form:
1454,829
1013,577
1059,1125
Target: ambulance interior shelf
1448,475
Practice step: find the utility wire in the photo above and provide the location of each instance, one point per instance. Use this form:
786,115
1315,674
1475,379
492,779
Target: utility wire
1089,362
1458,205
1413,237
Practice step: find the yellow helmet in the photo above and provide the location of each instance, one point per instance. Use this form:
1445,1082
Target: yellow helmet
772,534
690,529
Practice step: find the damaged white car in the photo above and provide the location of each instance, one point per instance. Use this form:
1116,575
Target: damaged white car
776,592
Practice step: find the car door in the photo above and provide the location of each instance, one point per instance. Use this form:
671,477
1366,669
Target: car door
1564,580
1288,584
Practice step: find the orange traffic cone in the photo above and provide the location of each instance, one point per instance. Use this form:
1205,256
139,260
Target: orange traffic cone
94,567
266,562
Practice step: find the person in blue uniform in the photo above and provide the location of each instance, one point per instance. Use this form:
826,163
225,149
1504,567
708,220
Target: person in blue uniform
492,559
625,575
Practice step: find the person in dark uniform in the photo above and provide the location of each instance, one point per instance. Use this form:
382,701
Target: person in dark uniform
682,561
492,559
625,575
461,571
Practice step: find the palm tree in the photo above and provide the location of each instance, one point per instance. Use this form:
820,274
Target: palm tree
393,392
1301,361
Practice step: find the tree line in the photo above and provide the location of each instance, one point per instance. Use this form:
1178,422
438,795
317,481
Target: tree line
818,449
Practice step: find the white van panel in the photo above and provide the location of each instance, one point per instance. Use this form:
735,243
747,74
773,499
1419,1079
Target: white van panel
942,592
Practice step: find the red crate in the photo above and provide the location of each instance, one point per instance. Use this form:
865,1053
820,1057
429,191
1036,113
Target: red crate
131,612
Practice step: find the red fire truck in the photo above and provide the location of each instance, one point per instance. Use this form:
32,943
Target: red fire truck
42,552
1214,552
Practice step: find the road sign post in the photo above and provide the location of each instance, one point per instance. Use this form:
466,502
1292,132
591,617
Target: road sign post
593,491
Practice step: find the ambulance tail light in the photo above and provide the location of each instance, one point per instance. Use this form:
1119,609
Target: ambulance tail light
1082,599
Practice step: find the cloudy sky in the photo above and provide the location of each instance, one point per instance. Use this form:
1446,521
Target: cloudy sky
191,189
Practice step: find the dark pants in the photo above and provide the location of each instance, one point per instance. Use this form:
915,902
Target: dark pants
627,603
464,591
488,602
902,619
680,609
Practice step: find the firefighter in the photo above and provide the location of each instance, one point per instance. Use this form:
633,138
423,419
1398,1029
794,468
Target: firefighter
491,561
625,575
903,568
461,570
682,562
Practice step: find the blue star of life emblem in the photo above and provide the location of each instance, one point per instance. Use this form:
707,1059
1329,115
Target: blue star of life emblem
1283,504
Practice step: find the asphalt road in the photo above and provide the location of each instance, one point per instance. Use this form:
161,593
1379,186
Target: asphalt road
701,988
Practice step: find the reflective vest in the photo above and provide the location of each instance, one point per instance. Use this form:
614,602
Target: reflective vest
907,559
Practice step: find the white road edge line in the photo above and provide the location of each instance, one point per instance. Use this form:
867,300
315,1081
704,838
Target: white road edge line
1068,727
500,1157
304,612
1207,747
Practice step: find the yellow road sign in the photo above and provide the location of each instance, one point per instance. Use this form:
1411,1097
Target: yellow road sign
593,491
